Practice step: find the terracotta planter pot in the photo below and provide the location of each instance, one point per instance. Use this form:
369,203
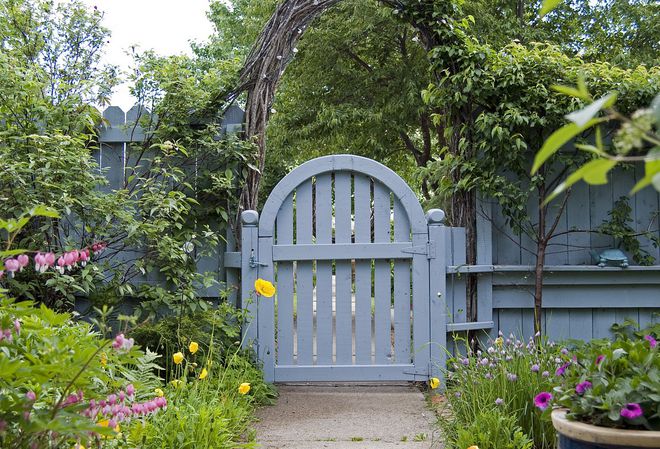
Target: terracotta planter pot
577,435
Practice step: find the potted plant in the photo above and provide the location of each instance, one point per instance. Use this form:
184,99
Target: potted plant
608,393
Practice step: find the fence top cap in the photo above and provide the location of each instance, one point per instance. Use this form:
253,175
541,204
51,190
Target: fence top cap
435,216
250,217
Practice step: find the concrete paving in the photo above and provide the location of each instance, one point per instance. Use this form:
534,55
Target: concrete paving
348,417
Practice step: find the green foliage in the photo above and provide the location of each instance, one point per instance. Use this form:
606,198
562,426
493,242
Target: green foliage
607,376
179,186
492,429
219,328
625,236
354,87
48,354
489,395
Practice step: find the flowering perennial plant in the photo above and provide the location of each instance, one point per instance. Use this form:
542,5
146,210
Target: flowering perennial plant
610,383
494,388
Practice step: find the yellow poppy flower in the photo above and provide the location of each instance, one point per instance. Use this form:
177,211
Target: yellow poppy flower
178,358
434,382
194,347
244,388
104,361
78,446
203,374
159,392
499,342
264,288
176,383
473,447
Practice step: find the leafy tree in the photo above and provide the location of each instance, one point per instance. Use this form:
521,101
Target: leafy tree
177,184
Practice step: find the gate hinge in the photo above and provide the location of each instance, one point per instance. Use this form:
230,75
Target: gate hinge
428,250
254,263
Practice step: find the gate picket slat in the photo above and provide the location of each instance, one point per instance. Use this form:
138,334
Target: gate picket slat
323,271
382,281
304,275
285,286
362,272
266,313
401,288
343,278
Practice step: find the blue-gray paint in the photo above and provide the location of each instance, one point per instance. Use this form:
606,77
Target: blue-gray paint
368,201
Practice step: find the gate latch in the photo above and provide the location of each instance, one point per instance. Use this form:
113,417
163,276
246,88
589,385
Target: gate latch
428,250
254,263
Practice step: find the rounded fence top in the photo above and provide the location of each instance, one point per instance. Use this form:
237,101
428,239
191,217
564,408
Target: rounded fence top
435,216
250,217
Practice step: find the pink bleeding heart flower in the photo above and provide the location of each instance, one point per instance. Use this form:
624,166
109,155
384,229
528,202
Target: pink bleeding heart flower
84,257
50,259
61,263
69,259
39,262
12,266
23,261
130,390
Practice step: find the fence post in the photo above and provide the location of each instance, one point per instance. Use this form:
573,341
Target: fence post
437,293
249,249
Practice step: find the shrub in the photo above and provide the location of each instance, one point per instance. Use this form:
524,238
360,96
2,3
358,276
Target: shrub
53,374
611,383
496,386
210,403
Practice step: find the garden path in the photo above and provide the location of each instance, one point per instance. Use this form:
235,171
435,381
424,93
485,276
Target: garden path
345,416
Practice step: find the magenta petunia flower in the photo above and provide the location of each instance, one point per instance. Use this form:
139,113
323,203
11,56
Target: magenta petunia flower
562,369
651,340
631,411
599,359
582,387
543,400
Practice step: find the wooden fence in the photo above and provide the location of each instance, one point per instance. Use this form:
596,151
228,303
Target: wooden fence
580,299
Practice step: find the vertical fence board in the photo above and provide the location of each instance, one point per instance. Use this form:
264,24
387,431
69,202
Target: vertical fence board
600,203
362,271
484,257
266,311
324,271
557,322
459,246
580,324
620,315
645,214
401,288
511,322
304,275
527,326
602,321
343,272
285,286
382,280
249,248
579,242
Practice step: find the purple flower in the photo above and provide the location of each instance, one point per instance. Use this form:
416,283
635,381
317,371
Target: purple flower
457,394
130,389
599,359
31,396
499,401
535,368
545,374
651,340
512,377
488,376
562,369
17,327
631,411
542,400
484,361
465,361
564,351
582,387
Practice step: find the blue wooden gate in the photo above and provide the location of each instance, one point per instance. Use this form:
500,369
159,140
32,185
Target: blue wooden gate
349,248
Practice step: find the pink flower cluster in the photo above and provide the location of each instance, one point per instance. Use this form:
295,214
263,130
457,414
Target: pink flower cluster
7,334
123,343
121,407
43,261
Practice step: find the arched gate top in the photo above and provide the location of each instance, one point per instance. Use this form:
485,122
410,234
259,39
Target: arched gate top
342,162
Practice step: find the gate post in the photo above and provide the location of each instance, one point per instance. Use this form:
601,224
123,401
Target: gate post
249,273
437,293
